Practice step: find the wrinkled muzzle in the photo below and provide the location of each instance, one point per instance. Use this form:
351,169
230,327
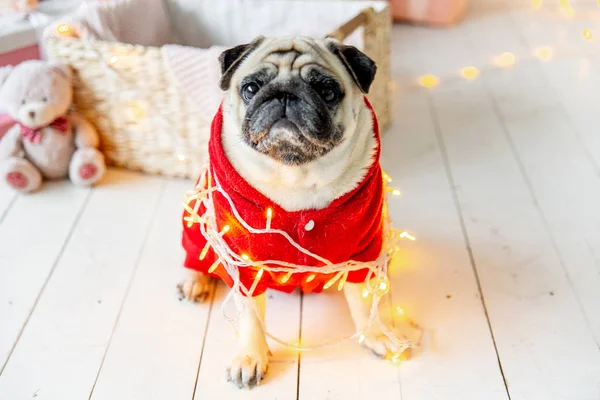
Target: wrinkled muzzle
289,121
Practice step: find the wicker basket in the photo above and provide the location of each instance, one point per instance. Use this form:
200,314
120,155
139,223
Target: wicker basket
147,125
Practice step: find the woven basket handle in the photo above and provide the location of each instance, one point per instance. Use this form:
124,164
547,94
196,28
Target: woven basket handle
346,30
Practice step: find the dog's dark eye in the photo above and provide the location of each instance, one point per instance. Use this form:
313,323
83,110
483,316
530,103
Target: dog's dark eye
45,99
328,95
250,90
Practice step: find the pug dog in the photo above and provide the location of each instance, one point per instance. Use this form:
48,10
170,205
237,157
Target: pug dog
296,126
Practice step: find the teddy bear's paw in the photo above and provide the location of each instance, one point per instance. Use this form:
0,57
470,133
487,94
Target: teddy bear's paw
87,167
21,175
87,171
17,180
195,287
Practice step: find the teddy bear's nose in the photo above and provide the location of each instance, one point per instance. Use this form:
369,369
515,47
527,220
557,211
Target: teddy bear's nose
32,114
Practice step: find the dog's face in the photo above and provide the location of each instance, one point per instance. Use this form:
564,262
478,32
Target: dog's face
295,99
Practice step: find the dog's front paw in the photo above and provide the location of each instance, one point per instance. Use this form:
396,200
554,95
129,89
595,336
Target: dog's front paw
195,287
378,343
250,365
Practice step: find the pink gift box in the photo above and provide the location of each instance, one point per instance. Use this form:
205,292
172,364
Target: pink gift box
431,12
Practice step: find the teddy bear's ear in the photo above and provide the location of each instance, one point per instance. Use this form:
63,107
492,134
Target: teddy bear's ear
62,69
4,72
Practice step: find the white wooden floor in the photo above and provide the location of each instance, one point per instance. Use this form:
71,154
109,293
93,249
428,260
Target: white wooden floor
501,184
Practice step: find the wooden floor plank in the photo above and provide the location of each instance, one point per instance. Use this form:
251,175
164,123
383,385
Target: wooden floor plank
531,303
574,83
7,198
568,194
62,346
432,278
156,348
345,370
283,320
561,173
32,237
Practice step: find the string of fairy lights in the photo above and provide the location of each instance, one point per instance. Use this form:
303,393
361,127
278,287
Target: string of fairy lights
377,282
507,59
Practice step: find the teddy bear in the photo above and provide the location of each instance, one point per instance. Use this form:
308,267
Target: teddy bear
47,141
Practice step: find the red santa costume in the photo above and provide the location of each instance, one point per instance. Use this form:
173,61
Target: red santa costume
350,228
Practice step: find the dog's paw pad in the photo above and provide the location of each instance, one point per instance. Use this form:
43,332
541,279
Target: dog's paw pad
247,371
197,288
379,344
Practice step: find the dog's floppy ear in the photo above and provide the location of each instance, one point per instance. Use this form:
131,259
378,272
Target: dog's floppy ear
62,69
359,65
231,59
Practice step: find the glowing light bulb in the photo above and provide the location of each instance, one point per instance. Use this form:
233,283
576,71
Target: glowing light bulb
245,257
469,73
544,53
396,192
587,34
505,60
387,178
406,235
225,229
193,217
286,277
536,4
214,266
399,311
361,339
428,81
384,286
395,358
310,278
181,157
269,216
342,281
332,280
64,29
365,293
567,10
204,251
259,275
381,287
112,60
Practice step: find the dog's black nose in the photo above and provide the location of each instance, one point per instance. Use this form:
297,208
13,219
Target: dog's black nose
32,114
286,98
